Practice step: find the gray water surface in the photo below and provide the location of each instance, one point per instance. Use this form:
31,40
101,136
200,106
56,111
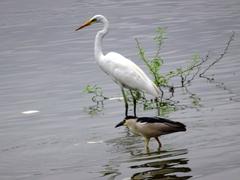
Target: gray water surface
44,65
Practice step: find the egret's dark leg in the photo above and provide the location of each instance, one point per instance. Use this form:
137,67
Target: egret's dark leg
125,100
158,106
134,103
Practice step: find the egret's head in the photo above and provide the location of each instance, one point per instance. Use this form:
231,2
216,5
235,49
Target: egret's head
126,121
93,20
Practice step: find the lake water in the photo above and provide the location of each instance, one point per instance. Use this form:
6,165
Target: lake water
46,131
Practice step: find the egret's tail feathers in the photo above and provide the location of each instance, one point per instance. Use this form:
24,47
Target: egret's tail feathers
155,90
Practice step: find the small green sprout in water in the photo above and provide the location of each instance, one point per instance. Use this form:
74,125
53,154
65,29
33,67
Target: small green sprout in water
93,90
195,100
97,97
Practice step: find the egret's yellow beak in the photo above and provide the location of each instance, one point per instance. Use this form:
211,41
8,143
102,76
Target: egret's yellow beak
88,23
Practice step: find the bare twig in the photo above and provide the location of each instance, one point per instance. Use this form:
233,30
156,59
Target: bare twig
219,58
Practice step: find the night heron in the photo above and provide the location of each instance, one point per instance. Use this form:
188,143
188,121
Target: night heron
149,127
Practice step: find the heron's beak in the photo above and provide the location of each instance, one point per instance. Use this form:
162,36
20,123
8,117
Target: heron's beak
120,124
88,23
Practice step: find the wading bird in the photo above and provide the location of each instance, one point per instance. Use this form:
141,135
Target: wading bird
149,127
123,71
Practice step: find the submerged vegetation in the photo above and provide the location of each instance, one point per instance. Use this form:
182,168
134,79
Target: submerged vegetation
181,77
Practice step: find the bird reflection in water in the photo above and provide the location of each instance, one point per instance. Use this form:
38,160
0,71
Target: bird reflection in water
155,165
160,164
163,169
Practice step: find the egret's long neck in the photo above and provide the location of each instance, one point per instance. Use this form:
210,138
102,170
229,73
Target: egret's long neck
98,40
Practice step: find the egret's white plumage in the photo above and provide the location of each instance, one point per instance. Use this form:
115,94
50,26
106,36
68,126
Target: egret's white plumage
127,74
122,70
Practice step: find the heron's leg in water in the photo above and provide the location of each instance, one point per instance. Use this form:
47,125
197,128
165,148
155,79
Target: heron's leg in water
134,103
146,143
159,143
125,100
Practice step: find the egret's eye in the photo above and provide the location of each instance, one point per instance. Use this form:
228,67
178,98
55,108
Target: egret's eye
94,20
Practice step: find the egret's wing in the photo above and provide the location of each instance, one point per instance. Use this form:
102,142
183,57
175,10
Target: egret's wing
127,73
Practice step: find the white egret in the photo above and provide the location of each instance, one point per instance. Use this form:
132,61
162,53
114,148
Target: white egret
123,71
